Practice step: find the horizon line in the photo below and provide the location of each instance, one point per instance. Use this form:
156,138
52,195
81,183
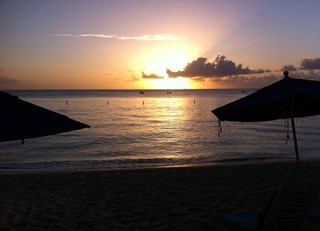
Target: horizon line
136,89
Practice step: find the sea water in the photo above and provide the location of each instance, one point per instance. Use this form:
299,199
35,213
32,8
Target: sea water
152,128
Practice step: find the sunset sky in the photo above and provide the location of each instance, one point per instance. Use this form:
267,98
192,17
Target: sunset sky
167,44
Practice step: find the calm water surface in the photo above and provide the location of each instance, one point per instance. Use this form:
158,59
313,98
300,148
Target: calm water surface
157,128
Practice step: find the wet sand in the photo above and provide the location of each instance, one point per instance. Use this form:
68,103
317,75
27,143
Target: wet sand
185,198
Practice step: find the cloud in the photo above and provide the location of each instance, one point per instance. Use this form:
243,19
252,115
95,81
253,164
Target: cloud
310,63
288,68
7,81
84,35
220,67
155,37
252,80
237,81
309,74
94,35
199,79
151,76
260,81
133,79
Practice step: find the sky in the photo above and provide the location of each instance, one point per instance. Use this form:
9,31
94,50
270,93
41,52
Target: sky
167,44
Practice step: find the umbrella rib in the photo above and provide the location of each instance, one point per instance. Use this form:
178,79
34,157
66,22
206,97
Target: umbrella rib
282,109
306,102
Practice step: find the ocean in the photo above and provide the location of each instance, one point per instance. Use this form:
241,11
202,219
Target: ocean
152,128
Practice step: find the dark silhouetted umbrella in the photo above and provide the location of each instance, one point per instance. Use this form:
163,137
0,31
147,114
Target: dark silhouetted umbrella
20,120
286,99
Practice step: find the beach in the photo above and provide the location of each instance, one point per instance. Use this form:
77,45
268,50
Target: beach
175,198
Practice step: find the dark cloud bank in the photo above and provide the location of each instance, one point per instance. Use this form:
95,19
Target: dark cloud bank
5,81
310,63
220,67
305,64
288,68
8,83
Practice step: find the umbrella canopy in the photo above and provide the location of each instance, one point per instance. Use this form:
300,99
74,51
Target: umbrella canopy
20,120
285,99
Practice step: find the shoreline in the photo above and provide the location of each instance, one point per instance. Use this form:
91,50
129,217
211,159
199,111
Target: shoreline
170,198
201,165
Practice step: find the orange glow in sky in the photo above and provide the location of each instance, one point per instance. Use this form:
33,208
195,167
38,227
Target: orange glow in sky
131,44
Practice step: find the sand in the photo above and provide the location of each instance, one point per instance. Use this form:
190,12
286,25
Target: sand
184,198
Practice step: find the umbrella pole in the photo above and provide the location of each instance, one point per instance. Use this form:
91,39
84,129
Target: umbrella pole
295,140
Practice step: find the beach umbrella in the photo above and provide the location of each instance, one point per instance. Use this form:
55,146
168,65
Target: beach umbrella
286,99
20,120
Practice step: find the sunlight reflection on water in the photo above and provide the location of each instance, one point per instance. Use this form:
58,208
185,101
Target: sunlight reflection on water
154,129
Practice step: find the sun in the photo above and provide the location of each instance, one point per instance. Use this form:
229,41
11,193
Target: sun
173,59
171,83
